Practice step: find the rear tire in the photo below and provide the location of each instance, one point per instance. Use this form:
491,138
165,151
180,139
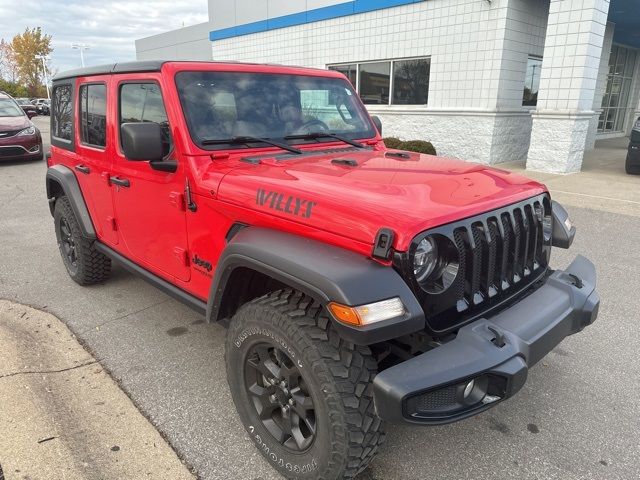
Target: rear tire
309,408
83,262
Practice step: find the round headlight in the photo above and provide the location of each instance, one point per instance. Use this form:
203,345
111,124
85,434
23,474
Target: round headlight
435,263
425,259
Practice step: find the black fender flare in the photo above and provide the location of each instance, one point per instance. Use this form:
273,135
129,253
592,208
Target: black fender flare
325,272
65,178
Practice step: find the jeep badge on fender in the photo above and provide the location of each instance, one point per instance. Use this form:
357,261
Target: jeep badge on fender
422,293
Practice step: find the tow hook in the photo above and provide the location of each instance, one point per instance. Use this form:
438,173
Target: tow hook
572,279
498,339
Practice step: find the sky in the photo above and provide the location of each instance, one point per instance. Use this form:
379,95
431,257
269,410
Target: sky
110,28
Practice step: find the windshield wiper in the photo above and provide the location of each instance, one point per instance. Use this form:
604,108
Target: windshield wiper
246,139
316,135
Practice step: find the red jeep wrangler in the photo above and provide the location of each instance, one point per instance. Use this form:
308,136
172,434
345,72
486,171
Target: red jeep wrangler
360,285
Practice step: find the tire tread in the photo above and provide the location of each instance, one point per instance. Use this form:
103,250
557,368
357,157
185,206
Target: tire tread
93,266
353,369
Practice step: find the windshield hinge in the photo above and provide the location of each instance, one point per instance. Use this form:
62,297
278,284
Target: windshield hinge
219,156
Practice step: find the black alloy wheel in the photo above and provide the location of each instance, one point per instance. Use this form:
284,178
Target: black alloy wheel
280,396
68,244
84,264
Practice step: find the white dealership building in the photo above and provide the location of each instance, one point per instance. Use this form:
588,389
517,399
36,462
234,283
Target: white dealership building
486,80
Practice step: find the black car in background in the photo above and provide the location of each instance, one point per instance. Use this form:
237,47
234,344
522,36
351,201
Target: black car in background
30,109
632,164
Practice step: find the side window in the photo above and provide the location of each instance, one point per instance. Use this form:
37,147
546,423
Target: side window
61,113
142,102
93,114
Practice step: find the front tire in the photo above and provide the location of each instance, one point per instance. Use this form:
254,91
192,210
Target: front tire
303,393
83,262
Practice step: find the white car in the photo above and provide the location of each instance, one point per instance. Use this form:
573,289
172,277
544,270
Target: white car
42,104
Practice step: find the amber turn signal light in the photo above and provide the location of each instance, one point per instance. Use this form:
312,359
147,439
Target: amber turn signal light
366,314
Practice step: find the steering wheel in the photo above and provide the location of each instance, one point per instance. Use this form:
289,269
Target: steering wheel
307,127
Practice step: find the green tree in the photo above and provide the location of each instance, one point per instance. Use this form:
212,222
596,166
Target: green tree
13,89
27,48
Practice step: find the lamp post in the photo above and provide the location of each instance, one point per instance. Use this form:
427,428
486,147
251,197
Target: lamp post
44,71
81,47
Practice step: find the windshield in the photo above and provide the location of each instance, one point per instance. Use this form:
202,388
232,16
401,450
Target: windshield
224,105
8,108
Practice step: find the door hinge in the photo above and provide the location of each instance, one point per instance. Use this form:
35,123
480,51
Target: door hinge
182,255
176,199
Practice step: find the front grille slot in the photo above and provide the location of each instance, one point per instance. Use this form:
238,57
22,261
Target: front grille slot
498,259
10,133
500,254
12,151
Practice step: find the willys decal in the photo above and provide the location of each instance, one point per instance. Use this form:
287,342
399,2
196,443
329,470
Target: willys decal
285,203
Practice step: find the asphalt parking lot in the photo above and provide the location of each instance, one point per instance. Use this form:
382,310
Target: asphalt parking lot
577,417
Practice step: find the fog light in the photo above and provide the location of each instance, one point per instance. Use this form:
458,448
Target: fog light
468,388
369,313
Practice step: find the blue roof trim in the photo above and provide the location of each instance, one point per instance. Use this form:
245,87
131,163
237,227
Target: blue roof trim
309,16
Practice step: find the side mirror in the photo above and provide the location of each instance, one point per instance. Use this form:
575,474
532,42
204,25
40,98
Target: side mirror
31,114
141,141
635,135
377,123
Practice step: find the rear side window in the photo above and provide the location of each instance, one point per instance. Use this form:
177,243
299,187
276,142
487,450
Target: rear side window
142,102
62,113
93,114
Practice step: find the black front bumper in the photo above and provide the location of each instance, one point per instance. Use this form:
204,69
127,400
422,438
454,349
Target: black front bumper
495,353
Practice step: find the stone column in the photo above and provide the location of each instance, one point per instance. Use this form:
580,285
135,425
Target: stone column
572,51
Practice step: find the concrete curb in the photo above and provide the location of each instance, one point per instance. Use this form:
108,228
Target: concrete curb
62,415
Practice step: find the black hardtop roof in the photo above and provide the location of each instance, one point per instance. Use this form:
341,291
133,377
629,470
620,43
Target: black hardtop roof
140,66
122,67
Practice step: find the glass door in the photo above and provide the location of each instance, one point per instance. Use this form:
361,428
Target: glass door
615,102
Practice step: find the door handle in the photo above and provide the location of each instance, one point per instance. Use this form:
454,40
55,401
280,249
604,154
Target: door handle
121,182
83,168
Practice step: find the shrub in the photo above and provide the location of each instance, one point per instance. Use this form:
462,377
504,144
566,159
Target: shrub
392,142
419,146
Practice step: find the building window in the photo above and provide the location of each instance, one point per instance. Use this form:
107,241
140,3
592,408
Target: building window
142,102
616,99
349,71
375,82
411,82
532,81
61,122
93,114
390,82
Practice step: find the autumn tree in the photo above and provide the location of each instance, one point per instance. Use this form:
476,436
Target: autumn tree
27,48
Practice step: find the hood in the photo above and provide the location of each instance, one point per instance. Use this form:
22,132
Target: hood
8,124
355,193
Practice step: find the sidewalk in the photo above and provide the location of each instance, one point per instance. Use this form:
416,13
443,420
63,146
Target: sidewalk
62,416
601,185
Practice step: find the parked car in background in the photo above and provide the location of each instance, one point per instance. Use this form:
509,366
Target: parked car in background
632,164
28,108
43,105
19,137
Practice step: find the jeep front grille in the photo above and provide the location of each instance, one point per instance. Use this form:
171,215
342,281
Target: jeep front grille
501,253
